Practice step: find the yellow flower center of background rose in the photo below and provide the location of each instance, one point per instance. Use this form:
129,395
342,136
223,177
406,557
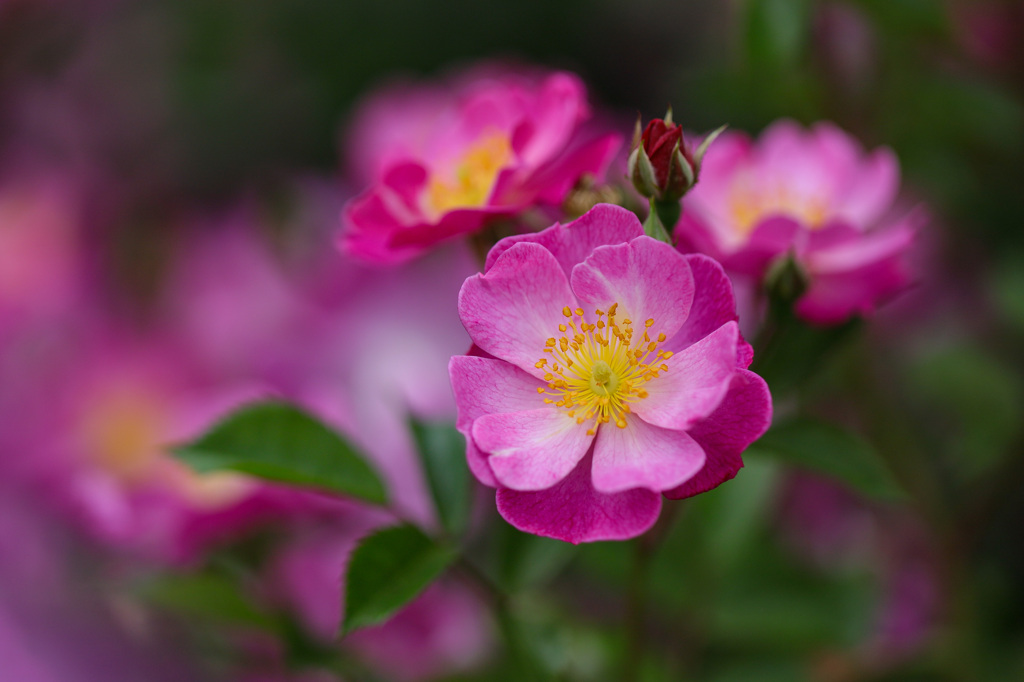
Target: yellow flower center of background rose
748,207
470,181
595,371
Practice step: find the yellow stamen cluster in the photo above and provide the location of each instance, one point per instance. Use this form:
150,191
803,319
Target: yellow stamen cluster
596,370
748,206
470,181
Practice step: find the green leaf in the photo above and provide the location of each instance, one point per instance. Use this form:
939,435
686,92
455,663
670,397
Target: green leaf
209,597
442,451
829,450
387,570
279,442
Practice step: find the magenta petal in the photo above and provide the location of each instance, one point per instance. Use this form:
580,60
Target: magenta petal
643,456
647,278
696,381
573,242
742,417
552,182
575,512
853,277
482,386
561,105
511,310
531,450
713,302
772,237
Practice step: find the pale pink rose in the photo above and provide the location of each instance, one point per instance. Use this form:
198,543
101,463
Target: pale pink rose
812,193
444,160
611,370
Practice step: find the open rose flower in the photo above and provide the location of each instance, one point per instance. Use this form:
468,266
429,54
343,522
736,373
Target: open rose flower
443,161
611,370
811,193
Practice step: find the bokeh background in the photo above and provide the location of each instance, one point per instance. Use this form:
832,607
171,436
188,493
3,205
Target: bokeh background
154,124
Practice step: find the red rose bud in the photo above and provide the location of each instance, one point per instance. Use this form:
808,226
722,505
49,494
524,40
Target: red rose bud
662,166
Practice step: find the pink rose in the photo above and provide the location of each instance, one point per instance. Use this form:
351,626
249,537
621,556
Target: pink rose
612,371
444,161
811,193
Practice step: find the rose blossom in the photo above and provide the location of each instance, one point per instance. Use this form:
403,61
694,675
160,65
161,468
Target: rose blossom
611,370
443,161
814,194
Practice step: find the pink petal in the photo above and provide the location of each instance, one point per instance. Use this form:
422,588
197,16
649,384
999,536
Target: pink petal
573,242
742,417
696,381
511,310
368,225
647,278
713,302
484,386
531,450
575,512
552,182
643,456
862,250
771,238
560,106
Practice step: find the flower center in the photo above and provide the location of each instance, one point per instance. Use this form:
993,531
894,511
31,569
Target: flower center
595,371
122,433
748,206
470,181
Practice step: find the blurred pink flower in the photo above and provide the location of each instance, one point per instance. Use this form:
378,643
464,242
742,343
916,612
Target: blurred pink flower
41,259
811,193
611,370
444,160
305,332
94,427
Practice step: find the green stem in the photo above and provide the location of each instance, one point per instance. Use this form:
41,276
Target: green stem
644,549
653,227
525,666
668,214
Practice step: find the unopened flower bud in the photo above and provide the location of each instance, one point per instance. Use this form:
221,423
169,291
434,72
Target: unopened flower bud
662,165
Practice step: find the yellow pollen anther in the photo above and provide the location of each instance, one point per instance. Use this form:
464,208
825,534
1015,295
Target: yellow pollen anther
661,338
599,370
649,323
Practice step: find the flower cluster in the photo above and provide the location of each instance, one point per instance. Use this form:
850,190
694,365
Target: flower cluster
594,369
